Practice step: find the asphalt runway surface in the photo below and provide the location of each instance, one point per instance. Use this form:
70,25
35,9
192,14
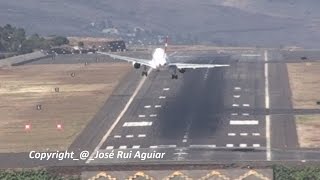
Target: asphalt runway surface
230,114
210,115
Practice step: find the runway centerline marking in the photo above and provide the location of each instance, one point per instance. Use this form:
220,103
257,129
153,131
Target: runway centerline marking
135,146
166,89
267,104
234,114
135,124
104,138
244,122
147,106
236,96
142,115
235,105
162,97
157,106
237,88
245,105
153,115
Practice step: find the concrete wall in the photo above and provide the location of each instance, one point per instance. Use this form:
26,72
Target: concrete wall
21,59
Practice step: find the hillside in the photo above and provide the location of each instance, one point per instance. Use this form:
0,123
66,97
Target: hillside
225,22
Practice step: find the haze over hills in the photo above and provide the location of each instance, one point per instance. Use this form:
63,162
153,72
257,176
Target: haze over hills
224,22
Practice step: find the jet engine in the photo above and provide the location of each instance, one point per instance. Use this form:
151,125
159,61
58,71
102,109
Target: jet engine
136,65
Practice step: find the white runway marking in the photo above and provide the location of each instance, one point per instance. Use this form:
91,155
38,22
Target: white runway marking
255,134
237,88
203,146
244,122
231,134
129,136
234,114
245,114
167,146
243,145
236,96
184,140
245,105
229,145
135,147
153,147
141,135
162,97
153,115
166,89
123,147
109,147
117,136
256,145
142,115
157,106
243,134
135,124
147,107
267,104
235,105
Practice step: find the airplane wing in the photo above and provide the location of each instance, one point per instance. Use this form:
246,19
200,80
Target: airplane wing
129,59
196,66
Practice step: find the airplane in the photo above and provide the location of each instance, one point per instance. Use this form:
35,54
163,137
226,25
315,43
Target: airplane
161,60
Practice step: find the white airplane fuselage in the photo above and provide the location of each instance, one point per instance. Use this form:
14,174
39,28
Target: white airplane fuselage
159,58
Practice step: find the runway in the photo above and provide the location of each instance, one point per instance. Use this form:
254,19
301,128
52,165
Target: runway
211,115
201,112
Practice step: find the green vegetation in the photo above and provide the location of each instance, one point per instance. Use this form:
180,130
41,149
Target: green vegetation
14,39
296,173
32,175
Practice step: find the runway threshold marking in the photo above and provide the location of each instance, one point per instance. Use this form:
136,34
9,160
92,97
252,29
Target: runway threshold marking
267,104
104,138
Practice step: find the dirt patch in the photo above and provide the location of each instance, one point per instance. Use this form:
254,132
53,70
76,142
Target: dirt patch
307,129
305,84
80,96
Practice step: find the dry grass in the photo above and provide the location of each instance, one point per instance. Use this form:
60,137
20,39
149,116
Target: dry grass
307,129
305,84
80,97
305,87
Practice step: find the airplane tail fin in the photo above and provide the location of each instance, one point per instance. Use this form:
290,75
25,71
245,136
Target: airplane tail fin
166,45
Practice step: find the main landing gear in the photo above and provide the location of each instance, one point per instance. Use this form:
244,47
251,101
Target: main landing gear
144,72
174,76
